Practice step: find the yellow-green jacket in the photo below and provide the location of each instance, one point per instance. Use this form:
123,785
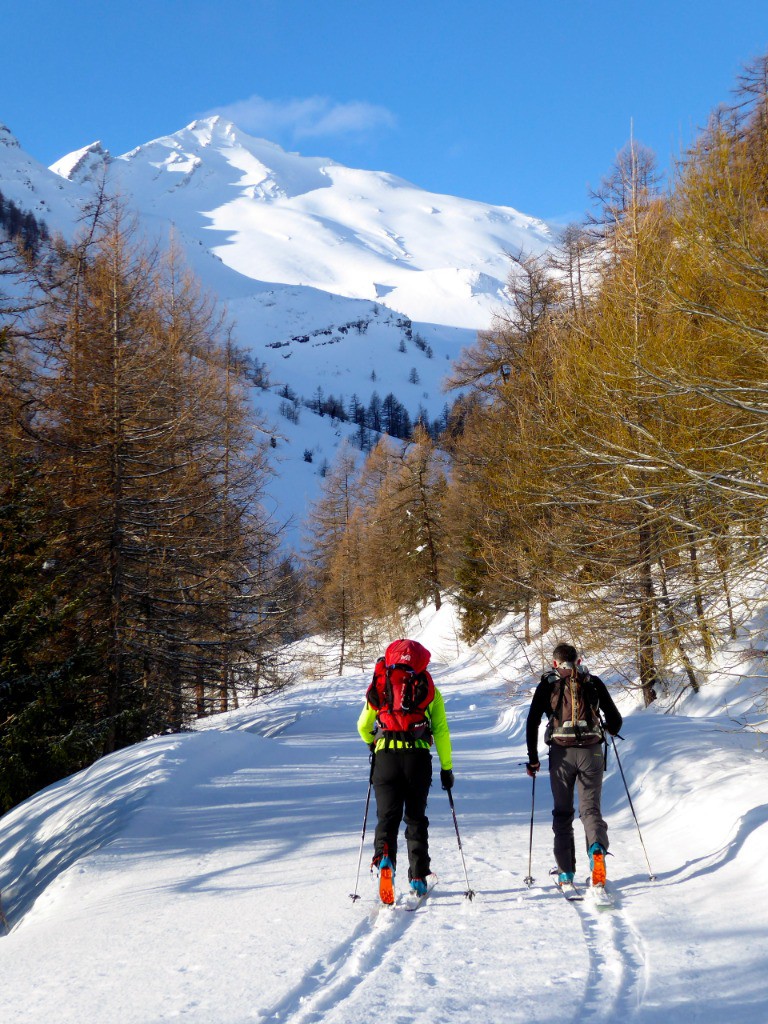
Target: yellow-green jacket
438,724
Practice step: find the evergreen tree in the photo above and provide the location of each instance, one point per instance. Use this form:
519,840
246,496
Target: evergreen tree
44,717
329,567
134,406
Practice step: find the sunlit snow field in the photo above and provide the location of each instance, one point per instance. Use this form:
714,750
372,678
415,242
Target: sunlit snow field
206,877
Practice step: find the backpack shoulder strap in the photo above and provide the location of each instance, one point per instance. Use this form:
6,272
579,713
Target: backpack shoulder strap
559,684
375,692
423,690
589,689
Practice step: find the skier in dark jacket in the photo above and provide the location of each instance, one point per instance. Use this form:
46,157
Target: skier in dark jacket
576,756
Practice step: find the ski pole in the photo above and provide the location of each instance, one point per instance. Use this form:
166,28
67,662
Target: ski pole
651,875
470,893
355,895
529,879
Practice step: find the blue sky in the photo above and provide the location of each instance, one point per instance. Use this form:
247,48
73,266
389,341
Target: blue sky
520,103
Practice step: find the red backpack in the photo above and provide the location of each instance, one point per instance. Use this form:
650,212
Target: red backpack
401,691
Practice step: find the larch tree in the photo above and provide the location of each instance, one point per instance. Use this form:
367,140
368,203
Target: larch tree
329,568
150,452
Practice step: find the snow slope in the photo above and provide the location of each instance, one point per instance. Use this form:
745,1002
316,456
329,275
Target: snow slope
205,877
289,219
35,189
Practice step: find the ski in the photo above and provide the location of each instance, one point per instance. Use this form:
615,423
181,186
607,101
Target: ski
413,900
566,889
570,892
599,897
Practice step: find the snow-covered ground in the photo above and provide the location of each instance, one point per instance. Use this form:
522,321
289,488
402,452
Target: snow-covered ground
206,877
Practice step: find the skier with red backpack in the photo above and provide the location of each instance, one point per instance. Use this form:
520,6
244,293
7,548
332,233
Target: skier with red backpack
580,711
404,714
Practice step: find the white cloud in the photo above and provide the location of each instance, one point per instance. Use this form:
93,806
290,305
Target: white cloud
312,117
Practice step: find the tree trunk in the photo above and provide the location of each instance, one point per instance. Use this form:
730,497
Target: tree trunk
693,552
545,624
722,565
645,646
674,630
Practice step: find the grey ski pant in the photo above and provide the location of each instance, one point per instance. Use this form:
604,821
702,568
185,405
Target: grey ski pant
569,768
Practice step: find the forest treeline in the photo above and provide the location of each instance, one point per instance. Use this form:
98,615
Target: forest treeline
141,582
610,453
22,226
386,415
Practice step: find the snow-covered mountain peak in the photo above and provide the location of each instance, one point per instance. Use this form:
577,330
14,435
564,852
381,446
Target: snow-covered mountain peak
284,218
218,130
292,174
36,189
82,163
207,127
307,221
214,153
7,138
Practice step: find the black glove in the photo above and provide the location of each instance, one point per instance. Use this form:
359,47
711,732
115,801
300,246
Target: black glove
532,767
446,778
372,746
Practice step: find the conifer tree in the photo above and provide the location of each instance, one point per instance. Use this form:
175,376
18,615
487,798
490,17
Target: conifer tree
43,706
149,448
329,567
418,495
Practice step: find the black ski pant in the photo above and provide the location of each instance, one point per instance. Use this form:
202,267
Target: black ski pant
401,781
569,768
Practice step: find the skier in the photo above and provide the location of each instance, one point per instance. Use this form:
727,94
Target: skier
404,713
576,756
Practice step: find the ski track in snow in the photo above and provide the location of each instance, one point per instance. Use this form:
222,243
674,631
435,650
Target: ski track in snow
613,989
332,981
617,973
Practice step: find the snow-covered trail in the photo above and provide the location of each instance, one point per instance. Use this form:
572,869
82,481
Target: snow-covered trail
205,877
492,956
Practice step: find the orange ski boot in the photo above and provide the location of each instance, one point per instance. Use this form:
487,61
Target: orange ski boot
386,880
597,857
